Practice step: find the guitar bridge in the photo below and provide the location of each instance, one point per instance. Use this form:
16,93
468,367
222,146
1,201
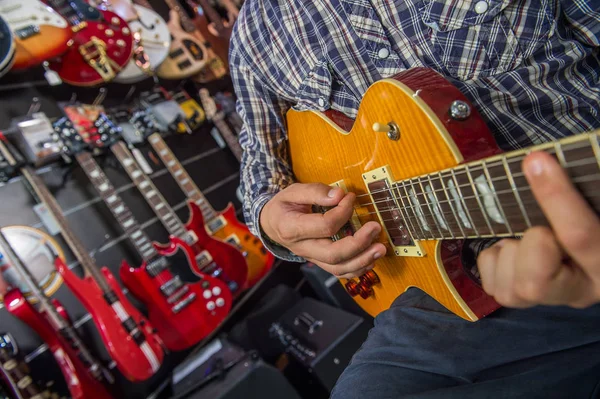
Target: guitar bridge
380,186
94,53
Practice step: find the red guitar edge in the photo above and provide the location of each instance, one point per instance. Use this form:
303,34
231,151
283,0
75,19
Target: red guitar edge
136,362
81,385
224,255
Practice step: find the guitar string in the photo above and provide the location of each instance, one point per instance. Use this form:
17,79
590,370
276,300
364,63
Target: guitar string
427,203
567,166
460,170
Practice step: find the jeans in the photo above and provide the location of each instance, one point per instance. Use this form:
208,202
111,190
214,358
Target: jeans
418,349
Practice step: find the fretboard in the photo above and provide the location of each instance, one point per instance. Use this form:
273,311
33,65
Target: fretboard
181,176
64,8
487,198
228,135
120,211
153,197
44,196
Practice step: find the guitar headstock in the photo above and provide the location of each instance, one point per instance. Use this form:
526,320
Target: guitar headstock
107,131
210,107
67,135
144,122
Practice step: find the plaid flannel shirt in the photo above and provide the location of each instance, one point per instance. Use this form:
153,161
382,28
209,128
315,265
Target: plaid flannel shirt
531,67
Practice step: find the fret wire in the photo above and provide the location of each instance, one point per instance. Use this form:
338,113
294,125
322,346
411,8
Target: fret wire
596,192
483,211
403,211
416,220
458,223
429,207
559,154
441,211
512,159
462,200
496,198
515,191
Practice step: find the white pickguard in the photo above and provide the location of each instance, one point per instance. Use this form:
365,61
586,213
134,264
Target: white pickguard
156,43
22,13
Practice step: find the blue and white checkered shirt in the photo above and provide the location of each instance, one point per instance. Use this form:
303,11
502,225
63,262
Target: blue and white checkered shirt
531,67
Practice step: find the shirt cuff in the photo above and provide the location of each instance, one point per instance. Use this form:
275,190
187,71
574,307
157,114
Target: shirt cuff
276,249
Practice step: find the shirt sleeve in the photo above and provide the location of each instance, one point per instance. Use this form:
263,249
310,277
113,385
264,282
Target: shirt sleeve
584,18
265,166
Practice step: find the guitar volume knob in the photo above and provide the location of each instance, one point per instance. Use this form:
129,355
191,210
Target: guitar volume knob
352,288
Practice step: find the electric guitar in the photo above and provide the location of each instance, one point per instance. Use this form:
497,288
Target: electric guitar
194,114
425,166
189,52
182,313
7,47
152,39
83,374
40,32
210,256
101,46
221,225
213,27
127,335
15,372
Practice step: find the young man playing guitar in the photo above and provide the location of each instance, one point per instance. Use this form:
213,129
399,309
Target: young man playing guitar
531,68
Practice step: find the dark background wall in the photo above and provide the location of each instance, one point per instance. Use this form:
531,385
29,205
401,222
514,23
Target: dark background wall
215,171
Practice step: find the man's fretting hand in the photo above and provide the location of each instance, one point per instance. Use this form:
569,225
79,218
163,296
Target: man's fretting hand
288,220
558,266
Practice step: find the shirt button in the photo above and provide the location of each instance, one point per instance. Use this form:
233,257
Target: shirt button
481,7
321,102
383,53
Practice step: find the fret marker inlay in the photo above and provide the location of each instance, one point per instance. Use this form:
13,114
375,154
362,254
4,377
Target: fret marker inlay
150,194
94,174
103,187
127,162
128,223
144,184
488,200
437,210
185,181
119,209
178,173
458,204
135,174
171,163
111,199
417,207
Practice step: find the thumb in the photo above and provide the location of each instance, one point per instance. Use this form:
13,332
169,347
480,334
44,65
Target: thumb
313,194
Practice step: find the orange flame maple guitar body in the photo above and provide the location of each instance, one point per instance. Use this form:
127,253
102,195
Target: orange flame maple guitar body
332,149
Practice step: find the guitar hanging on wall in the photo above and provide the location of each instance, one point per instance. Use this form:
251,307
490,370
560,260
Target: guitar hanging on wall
83,374
190,54
152,39
40,32
416,158
221,225
126,334
102,44
210,256
182,313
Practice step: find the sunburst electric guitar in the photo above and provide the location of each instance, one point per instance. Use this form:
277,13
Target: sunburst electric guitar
425,166
40,32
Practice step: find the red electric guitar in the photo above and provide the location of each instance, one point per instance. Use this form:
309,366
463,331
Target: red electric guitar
222,259
83,374
101,46
182,313
127,335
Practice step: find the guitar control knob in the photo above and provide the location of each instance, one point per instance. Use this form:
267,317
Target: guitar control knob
207,294
220,302
210,306
365,290
205,284
352,288
369,279
216,291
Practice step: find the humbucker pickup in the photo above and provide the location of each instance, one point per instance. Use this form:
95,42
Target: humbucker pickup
203,259
215,225
27,31
380,186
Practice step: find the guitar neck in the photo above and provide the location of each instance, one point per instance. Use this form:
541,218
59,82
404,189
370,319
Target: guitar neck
181,176
210,12
45,197
153,197
66,10
15,373
186,22
486,198
230,137
117,207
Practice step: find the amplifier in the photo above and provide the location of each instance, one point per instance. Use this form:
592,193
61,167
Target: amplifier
223,371
321,338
